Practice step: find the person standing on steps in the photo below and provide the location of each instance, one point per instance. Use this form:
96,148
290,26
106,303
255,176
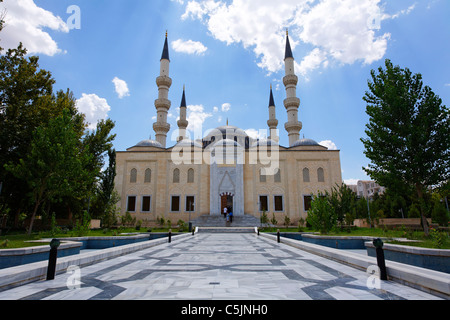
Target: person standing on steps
225,211
231,216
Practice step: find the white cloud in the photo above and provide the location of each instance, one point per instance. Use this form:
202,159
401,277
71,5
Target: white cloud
215,109
329,144
94,107
196,116
226,107
338,31
351,182
189,47
256,134
121,88
25,22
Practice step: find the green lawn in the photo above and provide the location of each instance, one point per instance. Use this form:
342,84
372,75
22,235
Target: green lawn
19,240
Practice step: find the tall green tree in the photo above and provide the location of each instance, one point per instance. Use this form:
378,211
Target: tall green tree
343,199
408,134
322,215
54,168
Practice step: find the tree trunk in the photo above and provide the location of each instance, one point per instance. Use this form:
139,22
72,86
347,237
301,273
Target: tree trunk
33,216
425,225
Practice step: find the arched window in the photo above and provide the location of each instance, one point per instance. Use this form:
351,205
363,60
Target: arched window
277,177
148,176
306,175
176,176
191,176
133,176
262,175
320,175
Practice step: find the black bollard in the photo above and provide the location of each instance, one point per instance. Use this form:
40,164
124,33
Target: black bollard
51,270
170,235
378,243
278,236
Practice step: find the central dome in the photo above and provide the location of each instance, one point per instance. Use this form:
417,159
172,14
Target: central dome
231,133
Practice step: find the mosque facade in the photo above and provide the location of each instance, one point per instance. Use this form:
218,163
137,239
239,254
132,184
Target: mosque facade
226,168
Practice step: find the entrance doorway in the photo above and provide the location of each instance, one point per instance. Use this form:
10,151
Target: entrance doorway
226,202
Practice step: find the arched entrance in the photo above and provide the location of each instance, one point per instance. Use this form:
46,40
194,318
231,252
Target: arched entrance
226,201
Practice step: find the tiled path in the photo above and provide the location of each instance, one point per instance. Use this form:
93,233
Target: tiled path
217,266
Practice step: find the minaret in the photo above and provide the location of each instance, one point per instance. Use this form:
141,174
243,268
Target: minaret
273,122
182,123
163,103
292,103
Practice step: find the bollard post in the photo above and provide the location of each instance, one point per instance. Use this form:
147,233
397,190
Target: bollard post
170,235
51,270
278,236
378,243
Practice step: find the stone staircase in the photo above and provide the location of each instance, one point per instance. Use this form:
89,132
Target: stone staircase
218,224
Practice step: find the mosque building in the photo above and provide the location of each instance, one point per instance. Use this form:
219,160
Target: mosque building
226,168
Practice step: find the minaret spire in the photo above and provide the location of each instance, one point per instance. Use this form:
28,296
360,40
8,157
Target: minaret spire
182,123
162,104
273,122
292,103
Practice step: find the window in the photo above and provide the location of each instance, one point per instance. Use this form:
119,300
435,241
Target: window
175,204
278,203
148,176
146,203
307,202
262,176
133,176
306,175
176,176
190,203
277,177
191,176
131,204
320,175
263,203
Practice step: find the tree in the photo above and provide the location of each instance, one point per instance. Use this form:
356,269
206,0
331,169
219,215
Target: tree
27,102
54,168
322,216
408,133
343,200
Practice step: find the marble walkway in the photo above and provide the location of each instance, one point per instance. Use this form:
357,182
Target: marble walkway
215,267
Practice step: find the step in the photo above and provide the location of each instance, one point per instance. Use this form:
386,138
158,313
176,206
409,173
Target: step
220,221
226,230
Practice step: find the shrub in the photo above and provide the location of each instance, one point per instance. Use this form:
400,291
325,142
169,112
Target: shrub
322,216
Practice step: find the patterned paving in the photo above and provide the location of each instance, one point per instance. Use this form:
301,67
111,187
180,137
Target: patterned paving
216,267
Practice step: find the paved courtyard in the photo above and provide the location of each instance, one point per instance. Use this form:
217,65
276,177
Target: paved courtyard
215,266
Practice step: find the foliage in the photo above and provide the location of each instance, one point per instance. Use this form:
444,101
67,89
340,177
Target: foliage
274,220
54,167
408,133
287,221
83,225
438,238
30,109
322,215
343,200
264,219
440,214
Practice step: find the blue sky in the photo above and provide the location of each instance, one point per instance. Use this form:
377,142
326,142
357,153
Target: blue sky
228,53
